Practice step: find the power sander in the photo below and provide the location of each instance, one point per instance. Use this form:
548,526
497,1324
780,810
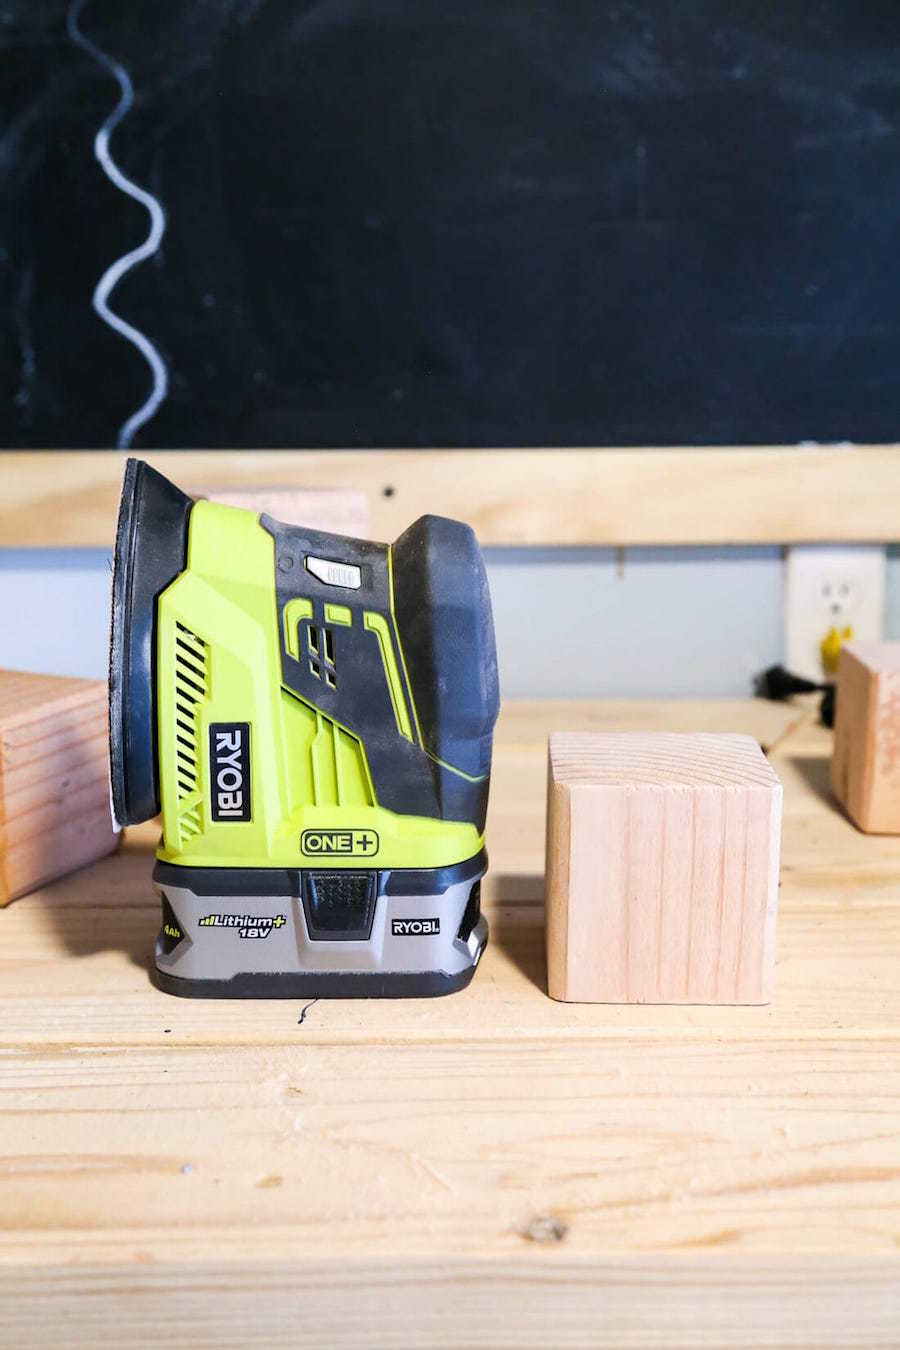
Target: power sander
313,717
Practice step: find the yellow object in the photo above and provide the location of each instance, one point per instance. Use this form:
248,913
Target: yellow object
830,648
295,611
376,624
309,774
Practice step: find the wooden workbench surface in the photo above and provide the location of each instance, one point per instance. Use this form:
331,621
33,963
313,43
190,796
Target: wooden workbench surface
490,1168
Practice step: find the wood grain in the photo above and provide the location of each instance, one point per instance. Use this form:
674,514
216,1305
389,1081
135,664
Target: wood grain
865,767
54,779
662,868
675,1302
495,1168
549,497
338,511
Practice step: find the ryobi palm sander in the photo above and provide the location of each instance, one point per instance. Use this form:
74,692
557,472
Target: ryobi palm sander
313,716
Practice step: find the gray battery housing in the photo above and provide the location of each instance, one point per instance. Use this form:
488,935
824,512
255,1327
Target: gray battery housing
232,932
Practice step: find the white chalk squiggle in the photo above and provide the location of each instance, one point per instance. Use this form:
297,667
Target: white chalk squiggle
113,274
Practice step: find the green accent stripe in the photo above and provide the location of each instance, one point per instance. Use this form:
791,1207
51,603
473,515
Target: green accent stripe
394,625
377,624
315,750
345,731
338,775
294,611
469,777
338,614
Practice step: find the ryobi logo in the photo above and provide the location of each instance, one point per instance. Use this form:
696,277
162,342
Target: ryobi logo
229,770
339,843
415,927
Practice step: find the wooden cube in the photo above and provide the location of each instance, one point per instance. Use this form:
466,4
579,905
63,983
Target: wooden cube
336,510
54,779
662,868
865,764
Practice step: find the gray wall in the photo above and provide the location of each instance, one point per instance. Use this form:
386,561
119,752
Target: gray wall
576,622
647,621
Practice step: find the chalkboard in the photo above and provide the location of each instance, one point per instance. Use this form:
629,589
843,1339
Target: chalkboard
404,224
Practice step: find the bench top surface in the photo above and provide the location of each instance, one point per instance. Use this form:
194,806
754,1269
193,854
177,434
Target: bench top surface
494,1129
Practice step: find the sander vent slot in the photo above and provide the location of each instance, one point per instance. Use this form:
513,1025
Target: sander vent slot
320,642
191,688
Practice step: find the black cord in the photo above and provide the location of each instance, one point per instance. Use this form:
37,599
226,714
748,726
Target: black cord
779,684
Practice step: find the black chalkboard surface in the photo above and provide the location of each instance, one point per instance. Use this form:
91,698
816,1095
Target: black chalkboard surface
398,223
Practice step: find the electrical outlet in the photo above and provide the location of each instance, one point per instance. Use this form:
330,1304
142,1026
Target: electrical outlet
830,595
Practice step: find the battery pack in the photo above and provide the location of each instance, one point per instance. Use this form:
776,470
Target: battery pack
317,933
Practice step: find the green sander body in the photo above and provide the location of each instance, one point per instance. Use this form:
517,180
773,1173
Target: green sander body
312,716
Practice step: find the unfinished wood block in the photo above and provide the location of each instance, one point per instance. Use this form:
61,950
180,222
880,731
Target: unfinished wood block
54,779
336,510
865,764
662,868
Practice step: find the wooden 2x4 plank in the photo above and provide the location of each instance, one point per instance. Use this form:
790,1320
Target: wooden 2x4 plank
523,497
671,1302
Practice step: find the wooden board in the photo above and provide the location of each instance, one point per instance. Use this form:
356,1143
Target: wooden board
528,497
490,1169
54,778
662,867
560,1303
339,511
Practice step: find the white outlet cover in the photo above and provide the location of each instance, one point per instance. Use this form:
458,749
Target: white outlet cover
830,587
